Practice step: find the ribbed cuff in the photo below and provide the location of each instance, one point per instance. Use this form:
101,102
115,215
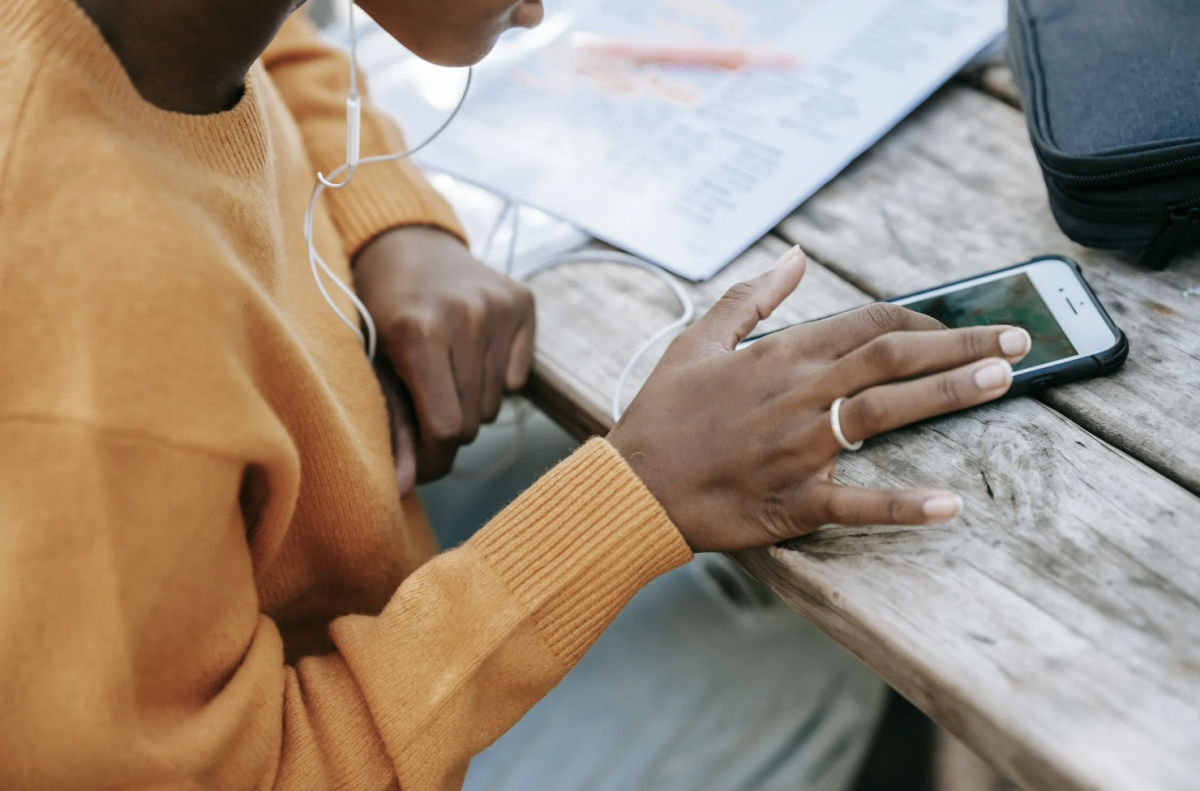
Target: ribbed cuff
579,544
384,196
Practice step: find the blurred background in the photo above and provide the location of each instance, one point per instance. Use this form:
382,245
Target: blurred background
325,12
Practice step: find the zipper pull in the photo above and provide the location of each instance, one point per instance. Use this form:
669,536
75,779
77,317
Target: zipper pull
1182,228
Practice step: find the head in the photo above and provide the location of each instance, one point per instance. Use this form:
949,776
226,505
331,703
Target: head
452,32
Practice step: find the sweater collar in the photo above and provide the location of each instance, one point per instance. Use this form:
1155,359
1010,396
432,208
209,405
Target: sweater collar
234,141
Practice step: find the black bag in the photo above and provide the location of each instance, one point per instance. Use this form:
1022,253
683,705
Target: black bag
1112,96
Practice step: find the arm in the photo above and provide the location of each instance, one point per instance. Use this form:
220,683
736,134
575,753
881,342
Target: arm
457,334
313,80
135,646
134,653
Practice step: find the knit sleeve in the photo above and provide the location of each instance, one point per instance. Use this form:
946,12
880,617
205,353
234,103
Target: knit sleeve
480,634
313,81
135,654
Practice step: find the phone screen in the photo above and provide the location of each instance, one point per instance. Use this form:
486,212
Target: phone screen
1008,300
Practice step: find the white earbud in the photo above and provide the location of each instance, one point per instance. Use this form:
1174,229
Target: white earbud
353,109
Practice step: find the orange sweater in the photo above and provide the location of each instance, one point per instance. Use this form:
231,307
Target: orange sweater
195,469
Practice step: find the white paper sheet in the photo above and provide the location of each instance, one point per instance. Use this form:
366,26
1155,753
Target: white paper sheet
689,167
420,96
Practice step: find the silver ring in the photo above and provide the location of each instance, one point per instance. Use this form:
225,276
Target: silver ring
836,423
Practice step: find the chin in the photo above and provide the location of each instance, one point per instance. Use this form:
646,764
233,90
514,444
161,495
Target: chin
461,54
455,52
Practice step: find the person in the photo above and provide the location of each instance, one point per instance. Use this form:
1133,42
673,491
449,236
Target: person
208,575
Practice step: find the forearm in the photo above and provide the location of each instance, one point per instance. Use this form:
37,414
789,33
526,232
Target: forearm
174,677
507,615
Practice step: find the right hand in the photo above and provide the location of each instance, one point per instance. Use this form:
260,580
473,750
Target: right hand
456,333
737,445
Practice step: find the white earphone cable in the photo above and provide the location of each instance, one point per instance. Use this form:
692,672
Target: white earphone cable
687,306
523,411
353,162
370,339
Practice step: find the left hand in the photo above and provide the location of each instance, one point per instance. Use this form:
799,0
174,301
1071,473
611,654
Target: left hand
738,444
457,334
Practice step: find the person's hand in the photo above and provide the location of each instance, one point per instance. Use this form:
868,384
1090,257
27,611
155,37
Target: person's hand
402,425
456,333
737,445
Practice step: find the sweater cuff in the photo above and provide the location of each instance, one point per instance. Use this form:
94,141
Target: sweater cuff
384,196
577,546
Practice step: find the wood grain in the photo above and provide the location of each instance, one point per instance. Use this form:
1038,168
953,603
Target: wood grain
1055,628
956,191
997,79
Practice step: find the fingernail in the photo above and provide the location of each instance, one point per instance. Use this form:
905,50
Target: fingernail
790,255
942,507
995,375
1015,342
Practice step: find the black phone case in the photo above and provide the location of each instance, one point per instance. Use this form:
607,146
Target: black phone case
1072,370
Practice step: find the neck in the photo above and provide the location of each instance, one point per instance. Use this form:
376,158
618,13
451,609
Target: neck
189,56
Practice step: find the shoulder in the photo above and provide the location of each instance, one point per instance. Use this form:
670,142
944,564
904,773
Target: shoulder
120,304
89,212
94,201
122,299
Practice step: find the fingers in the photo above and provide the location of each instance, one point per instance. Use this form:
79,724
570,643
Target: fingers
888,407
456,333
839,335
405,458
423,363
493,349
903,355
832,504
510,347
429,370
468,360
435,461
496,355
520,358
495,360
400,420
742,307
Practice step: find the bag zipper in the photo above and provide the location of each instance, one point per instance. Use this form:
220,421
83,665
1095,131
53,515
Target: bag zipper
1182,228
1125,212
1161,168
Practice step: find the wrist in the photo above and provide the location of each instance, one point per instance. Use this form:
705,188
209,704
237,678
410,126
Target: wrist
406,242
622,438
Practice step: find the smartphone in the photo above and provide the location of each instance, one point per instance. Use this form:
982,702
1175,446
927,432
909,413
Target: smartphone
1073,335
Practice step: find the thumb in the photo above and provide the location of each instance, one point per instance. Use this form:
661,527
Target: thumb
742,307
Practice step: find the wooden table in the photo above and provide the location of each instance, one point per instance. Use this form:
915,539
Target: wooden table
1055,626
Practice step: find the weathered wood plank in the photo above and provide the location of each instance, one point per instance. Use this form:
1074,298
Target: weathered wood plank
997,79
1055,627
955,191
957,768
